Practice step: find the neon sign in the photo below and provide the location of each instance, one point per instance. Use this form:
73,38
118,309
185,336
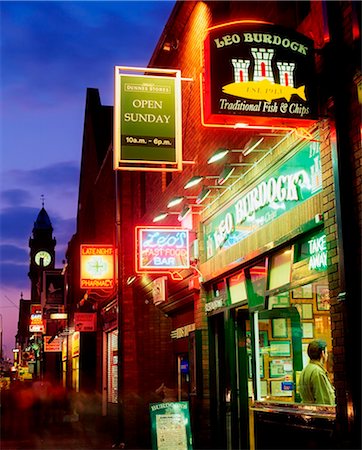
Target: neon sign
257,74
36,320
318,252
96,266
162,249
291,184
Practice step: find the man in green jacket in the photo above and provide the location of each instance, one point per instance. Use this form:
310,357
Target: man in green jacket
314,384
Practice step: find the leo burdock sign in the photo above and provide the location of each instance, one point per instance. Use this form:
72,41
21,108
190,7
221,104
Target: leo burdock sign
170,426
258,71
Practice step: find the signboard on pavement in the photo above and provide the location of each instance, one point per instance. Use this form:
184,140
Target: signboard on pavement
170,426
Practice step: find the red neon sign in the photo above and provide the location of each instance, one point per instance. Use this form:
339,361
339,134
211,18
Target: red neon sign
257,75
162,250
96,266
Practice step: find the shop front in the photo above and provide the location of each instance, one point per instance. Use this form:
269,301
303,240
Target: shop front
267,298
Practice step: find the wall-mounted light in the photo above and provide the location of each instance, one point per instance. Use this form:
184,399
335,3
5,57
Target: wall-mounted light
205,192
222,152
219,154
163,216
174,202
131,280
160,217
177,200
184,213
194,181
250,146
170,44
225,174
181,215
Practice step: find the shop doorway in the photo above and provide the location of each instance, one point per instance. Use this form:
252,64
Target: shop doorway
229,379
183,377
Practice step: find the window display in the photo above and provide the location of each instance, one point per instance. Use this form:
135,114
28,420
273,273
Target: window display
292,321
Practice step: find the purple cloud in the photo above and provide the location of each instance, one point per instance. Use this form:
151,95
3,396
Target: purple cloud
15,197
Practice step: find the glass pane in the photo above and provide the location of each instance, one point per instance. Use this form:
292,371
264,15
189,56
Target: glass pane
257,284
279,301
293,321
280,269
237,288
112,369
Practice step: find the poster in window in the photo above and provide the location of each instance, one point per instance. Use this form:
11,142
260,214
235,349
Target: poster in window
263,388
323,300
303,292
280,348
278,301
277,389
307,311
279,328
279,368
308,331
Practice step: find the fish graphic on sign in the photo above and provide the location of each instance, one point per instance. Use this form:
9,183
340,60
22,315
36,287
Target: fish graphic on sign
263,87
263,90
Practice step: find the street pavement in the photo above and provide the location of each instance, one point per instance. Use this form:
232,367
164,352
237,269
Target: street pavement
61,436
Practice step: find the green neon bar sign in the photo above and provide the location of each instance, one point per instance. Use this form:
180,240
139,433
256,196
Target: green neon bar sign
297,180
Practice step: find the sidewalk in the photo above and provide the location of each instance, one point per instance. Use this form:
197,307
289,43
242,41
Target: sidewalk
64,436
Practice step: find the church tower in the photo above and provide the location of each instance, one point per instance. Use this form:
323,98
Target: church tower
42,252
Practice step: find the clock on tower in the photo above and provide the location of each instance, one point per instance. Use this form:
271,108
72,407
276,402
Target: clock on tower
42,253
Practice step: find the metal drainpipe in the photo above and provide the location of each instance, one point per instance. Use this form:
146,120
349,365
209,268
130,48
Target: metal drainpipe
120,412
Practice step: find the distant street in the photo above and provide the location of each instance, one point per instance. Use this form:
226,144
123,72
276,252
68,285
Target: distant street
47,422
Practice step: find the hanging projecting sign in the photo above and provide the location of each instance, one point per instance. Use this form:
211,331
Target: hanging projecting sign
36,319
298,179
96,266
147,121
54,346
85,321
162,249
159,292
54,287
258,74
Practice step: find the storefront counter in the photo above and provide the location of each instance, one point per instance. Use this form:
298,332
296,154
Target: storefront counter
286,426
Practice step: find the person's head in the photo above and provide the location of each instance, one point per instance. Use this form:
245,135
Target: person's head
317,349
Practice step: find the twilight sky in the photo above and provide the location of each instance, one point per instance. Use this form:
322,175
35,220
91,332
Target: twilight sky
50,53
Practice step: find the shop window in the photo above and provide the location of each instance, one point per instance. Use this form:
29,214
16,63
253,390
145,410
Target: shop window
293,320
280,267
219,289
112,366
237,288
313,250
75,373
219,292
256,284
